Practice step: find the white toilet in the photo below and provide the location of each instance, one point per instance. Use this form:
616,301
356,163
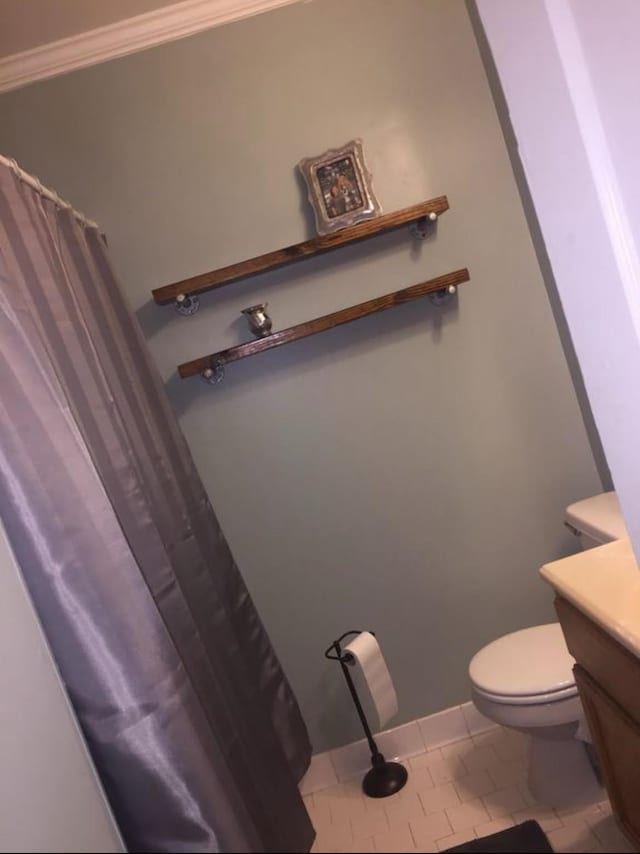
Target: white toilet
524,680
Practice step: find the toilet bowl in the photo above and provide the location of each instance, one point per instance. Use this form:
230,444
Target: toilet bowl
524,680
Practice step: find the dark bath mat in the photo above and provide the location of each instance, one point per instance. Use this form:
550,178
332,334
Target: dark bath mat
525,838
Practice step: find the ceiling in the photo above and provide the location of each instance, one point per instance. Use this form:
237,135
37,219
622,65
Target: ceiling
25,24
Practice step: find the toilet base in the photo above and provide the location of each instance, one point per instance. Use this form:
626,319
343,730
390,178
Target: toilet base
561,774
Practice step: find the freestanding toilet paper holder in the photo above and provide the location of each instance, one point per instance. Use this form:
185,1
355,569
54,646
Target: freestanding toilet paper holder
383,778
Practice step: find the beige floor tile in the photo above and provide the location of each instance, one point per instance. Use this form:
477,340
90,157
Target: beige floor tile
514,745
439,798
377,805
398,838
495,826
404,810
345,809
429,829
467,815
331,793
419,780
426,759
352,788
457,748
347,821
446,769
423,760
546,818
610,836
333,837
504,802
319,814
574,837
454,839
362,846
590,813
508,773
528,798
474,785
480,758
367,825
490,737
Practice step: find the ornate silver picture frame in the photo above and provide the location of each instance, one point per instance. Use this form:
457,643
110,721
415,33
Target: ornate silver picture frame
339,187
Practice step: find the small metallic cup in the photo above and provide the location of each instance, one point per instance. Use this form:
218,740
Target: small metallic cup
259,321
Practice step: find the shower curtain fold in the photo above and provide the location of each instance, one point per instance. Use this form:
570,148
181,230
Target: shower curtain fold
191,722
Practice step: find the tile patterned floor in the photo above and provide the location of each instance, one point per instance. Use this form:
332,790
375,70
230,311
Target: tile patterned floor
468,789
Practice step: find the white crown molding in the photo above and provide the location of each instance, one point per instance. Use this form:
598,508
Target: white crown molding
128,36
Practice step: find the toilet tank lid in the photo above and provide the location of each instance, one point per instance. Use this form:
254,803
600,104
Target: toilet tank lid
599,517
525,663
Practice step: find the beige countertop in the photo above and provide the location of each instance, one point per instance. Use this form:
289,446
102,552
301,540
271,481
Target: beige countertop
603,583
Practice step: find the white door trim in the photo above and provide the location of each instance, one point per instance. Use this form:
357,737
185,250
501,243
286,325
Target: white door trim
581,92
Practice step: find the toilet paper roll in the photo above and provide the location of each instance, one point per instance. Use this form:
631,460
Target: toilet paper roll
365,652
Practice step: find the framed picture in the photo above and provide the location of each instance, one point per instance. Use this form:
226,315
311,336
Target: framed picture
339,187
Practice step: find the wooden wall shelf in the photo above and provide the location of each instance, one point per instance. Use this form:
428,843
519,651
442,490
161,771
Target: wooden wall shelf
216,361
316,246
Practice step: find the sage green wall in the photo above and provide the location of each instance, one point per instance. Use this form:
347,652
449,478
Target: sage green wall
406,473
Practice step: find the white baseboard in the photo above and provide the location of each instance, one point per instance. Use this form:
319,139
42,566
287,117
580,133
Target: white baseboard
410,739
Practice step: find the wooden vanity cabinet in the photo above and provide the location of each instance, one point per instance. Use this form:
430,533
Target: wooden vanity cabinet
608,679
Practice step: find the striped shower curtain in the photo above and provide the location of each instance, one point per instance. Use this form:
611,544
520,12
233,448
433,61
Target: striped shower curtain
190,720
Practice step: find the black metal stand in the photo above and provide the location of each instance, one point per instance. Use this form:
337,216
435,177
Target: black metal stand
384,778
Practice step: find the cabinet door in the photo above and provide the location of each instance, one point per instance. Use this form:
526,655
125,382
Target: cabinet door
616,739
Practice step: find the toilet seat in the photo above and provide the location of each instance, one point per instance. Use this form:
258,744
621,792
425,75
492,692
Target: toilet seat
530,716
525,668
528,699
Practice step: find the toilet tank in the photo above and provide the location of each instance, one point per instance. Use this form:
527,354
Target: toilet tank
596,520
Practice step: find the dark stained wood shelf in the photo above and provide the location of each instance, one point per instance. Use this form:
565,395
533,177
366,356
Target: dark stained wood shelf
315,246
311,327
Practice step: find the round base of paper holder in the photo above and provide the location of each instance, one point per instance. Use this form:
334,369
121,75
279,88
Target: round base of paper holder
384,778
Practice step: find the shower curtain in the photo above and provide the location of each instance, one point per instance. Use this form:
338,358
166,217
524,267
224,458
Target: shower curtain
190,720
